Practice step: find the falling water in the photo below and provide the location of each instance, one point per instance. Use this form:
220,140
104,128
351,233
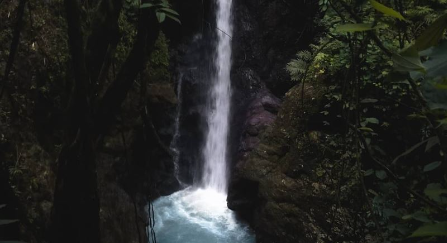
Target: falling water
199,214
174,144
215,152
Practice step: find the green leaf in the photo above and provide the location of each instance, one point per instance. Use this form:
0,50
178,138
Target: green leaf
432,35
161,17
386,10
8,221
436,64
436,98
388,212
432,166
431,142
368,101
368,172
437,229
408,60
366,129
434,77
436,194
171,11
381,174
146,5
442,85
422,217
372,120
354,27
173,18
442,122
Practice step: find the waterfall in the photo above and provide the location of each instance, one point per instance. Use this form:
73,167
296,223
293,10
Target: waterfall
215,151
174,144
199,214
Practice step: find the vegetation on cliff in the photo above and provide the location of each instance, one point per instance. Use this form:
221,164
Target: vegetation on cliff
385,112
67,69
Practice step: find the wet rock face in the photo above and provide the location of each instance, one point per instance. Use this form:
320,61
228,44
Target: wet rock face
276,185
261,113
193,64
283,206
267,34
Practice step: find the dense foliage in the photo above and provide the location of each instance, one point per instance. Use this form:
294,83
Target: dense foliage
67,69
385,67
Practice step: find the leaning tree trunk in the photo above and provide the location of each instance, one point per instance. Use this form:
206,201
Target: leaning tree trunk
75,215
76,203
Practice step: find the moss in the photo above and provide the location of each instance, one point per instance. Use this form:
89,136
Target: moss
296,190
158,65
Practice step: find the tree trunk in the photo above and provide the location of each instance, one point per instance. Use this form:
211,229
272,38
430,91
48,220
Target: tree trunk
76,204
75,215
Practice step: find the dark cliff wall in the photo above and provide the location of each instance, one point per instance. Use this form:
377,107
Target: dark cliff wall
279,186
274,183
267,34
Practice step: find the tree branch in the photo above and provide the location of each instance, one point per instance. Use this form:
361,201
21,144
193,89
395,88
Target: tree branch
104,33
79,102
148,29
13,49
371,34
394,176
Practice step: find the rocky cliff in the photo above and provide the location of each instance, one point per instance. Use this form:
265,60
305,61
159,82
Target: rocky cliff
276,181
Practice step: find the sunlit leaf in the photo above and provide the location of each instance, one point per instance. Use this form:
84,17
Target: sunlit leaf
353,27
386,10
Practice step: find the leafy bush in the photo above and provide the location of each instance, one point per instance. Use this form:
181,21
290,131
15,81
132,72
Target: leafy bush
386,71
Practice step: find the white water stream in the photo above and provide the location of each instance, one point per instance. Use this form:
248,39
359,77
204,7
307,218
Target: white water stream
199,214
215,152
174,144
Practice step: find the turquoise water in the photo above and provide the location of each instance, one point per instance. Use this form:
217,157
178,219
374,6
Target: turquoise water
197,215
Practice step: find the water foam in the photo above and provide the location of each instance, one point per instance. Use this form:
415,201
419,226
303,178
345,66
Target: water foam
196,215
